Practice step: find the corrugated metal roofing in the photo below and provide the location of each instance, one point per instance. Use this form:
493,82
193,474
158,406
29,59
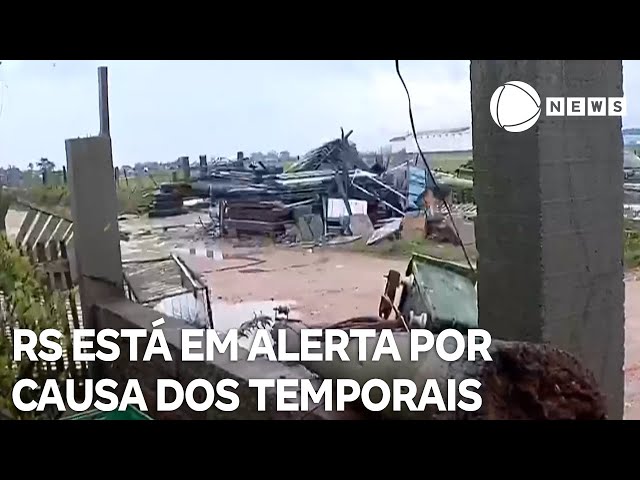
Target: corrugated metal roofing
424,133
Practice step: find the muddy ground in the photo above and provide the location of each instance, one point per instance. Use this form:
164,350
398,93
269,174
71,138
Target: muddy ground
322,285
328,285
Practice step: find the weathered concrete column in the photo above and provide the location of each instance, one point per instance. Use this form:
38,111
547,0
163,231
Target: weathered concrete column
204,169
94,206
549,226
186,168
103,86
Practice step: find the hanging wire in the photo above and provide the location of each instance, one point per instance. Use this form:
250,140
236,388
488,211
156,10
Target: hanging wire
428,169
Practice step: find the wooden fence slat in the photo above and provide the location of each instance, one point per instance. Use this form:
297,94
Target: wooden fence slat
36,230
26,225
43,239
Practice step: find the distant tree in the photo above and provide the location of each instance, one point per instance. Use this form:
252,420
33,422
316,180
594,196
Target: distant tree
30,166
45,165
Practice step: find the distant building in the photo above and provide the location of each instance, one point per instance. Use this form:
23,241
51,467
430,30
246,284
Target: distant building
434,141
271,160
11,177
631,137
285,156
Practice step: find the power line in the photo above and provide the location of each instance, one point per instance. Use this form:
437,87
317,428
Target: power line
424,160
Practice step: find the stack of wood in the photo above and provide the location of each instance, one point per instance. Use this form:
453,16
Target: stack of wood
166,204
246,217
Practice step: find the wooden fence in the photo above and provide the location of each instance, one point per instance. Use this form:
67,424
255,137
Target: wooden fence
44,238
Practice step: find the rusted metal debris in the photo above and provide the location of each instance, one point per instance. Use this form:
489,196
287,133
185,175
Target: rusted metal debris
270,201
434,294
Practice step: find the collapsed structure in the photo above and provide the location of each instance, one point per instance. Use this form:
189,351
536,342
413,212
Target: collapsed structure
308,201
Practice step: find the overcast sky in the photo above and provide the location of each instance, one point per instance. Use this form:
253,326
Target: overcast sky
161,110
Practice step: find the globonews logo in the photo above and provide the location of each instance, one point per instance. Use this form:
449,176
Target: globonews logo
516,106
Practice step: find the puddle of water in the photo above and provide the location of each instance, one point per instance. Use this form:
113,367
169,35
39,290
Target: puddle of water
185,307
226,316
232,315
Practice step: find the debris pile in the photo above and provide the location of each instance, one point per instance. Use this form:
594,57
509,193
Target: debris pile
338,154
331,191
314,199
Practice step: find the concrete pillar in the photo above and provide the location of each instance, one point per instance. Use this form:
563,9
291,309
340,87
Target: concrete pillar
186,168
549,226
203,166
103,86
94,206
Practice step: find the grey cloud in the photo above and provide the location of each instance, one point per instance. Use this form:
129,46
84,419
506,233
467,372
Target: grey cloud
163,109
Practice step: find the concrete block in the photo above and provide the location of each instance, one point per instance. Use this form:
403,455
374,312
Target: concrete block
549,225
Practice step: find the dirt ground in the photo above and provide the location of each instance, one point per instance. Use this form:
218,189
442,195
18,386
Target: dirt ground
327,285
324,284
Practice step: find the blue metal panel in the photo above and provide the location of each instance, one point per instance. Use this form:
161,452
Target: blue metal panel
419,180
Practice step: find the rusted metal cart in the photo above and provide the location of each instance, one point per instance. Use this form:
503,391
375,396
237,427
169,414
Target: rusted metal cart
434,294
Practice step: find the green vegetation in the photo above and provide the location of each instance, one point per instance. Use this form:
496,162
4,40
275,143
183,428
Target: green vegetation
27,304
632,245
134,196
405,247
411,242
448,162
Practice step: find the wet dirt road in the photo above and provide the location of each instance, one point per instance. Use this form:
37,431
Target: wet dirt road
329,285
324,285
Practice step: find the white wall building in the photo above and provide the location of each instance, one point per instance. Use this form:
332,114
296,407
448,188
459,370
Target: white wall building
435,141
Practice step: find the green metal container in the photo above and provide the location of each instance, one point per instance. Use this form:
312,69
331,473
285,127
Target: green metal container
129,414
443,290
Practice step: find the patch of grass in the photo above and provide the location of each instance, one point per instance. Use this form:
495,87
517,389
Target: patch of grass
134,196
47,196
136,200
448,162
405,247
632,245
